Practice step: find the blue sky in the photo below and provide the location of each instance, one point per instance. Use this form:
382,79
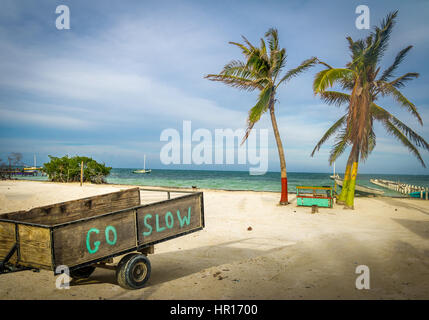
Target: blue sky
126,70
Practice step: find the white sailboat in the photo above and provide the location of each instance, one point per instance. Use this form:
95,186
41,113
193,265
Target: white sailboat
144,170
33,169
334,176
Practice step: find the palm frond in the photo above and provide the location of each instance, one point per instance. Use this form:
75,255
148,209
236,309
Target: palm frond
236,82
258,62
246,51
400,81
263,50
251,47
356,48
381,38
402,138
272,36
387,88
296,71
329,133
369,41
371,141
328,77
340,146
383,115
278,61
386,29
324,63
351,43
239,69
388,73
335,97
258,110
348,82
368,145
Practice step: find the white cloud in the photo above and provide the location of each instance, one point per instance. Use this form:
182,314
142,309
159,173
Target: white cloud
105,89
44,120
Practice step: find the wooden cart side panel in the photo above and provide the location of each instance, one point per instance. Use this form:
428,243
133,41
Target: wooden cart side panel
7,240
85,241
78,209
35,246
170,218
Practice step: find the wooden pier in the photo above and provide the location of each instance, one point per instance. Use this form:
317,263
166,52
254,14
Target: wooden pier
408,189
14,172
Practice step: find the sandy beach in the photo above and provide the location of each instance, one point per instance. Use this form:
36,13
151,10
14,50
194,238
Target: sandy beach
288,253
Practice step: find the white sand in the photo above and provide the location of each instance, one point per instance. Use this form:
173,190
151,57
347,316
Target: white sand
289,253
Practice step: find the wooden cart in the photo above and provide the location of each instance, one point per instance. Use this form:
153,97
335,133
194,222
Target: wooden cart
88,233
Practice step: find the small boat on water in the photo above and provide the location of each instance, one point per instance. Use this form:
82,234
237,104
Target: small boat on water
361,189
358,189
334,176
34,169
419,194
144,170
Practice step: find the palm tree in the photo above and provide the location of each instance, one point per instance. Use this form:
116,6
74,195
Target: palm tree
360,78
262,71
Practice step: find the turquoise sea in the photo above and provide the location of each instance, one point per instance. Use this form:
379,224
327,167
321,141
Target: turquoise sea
241,180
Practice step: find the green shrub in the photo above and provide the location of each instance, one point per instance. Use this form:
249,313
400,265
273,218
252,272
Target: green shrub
67,169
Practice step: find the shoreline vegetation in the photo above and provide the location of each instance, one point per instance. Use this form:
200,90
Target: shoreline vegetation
75,169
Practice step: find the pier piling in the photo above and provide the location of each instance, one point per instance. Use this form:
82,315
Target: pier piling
402,187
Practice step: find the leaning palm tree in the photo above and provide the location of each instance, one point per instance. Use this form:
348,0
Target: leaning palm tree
261,71
360,79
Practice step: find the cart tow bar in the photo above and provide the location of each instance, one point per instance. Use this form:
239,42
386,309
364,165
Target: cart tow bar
7,258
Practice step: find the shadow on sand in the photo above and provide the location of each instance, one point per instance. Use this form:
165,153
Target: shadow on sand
172,265
320,268
405,205
420,228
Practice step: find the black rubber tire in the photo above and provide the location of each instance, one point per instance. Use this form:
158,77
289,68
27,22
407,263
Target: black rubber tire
134,272
124,260
82,273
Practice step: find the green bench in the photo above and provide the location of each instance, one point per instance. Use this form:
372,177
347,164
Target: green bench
308,196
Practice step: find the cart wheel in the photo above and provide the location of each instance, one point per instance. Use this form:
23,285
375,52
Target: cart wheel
82,273
123,261
134,272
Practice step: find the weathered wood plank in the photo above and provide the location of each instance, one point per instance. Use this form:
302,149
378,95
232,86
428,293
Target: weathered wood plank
7,240
34,246
168,219
77,209
89,240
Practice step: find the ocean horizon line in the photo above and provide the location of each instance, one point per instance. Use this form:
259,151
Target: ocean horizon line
306,172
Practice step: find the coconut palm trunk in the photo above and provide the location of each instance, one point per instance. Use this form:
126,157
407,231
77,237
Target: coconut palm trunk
283,173
350,191
344,189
